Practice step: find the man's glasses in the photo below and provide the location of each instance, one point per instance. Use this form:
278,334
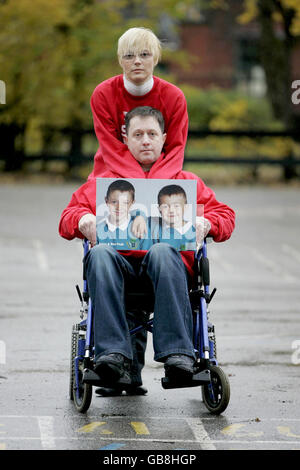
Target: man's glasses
142,56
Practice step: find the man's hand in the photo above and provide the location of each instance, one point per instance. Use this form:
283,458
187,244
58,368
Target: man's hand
139,227
202,229
87,226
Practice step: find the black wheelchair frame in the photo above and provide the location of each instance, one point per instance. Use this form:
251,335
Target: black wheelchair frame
213,380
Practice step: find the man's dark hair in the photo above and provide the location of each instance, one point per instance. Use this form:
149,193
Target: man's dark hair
170,190
145,111
120,185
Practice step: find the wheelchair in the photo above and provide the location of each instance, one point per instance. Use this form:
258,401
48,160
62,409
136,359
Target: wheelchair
139,305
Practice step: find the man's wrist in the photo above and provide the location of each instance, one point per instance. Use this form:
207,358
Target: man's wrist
204,224
82,216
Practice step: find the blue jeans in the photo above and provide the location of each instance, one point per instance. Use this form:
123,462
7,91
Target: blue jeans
108,273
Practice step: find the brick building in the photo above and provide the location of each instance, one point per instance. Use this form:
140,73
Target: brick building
223,53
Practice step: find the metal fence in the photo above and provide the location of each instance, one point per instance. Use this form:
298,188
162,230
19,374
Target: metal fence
289,164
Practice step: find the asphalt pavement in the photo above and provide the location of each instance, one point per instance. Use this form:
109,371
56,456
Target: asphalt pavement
255,311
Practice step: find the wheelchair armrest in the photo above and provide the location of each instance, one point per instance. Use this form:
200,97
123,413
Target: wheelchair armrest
204,270
202,261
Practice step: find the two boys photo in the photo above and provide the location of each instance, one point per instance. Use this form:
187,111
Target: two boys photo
136,214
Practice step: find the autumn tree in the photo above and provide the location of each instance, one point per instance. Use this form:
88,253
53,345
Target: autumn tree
52,56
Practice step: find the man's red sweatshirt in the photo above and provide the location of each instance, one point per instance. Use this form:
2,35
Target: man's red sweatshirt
83,201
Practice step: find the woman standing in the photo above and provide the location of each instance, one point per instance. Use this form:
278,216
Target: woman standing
139,51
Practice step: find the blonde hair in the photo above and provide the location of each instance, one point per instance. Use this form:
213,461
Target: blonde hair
137,40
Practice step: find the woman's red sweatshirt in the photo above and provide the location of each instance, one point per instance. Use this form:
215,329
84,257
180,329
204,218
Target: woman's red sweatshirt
110,102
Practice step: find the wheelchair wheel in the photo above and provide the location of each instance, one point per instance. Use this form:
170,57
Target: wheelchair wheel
216,395
83,397
83,400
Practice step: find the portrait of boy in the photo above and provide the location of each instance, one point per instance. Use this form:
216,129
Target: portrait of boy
172,227
115,227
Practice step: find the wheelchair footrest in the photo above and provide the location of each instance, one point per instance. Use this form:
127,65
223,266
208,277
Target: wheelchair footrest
201,378
90,377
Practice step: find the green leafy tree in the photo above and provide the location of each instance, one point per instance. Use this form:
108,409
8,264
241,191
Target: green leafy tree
52,56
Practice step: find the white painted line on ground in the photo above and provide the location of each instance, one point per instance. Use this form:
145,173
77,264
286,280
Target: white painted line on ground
291,251
200,433
215,257
272,266
46,425
173,418
101,438
41,255
47,437
241,441
204,444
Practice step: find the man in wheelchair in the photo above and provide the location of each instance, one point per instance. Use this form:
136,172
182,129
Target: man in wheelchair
164,269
